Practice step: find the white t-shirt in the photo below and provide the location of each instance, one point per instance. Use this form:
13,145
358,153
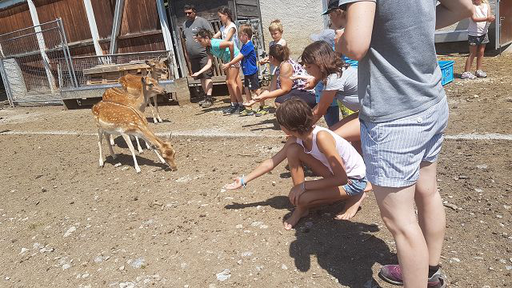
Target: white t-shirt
224,33
354,164
346,85
281,42
479,28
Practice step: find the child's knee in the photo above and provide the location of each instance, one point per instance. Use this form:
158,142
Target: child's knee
293,151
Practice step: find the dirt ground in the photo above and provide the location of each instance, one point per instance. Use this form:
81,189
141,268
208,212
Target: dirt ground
65,222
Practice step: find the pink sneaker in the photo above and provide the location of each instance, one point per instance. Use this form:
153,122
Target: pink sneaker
392,274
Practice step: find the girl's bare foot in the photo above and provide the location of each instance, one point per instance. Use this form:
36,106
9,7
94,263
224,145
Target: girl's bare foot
294,219
351,207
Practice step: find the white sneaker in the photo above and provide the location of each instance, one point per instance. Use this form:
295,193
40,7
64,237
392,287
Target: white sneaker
468,75
480,74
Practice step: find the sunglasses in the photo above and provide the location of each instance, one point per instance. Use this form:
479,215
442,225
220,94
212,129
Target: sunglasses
188,13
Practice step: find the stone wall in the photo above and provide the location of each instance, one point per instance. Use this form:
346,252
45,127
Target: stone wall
300,19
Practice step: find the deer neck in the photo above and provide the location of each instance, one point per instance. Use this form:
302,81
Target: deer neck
150,137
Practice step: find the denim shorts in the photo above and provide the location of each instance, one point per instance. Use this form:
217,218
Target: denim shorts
478,40
394,150
355,186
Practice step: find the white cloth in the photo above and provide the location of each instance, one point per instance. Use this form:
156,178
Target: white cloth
479,28
354,164
346,85
224,33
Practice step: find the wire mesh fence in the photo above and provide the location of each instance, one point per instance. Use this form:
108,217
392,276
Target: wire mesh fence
106,69
31,61
35,65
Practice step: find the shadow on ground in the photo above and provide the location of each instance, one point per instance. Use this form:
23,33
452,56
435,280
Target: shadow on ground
347,250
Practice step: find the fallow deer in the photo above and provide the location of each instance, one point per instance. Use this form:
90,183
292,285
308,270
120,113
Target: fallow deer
115,118
135,98
132,84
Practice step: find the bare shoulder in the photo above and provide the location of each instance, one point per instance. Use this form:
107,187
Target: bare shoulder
324,138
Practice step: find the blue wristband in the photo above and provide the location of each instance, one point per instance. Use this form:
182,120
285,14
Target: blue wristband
242,181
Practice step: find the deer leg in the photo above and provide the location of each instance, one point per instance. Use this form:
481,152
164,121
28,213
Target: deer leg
130,145
111,139
159,157
155,99
139,148
100,138
152,111
108,137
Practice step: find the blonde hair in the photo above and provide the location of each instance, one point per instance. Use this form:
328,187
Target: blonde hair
276,25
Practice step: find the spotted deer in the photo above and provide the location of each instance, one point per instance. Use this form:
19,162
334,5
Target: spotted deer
115,118
132,84
137,99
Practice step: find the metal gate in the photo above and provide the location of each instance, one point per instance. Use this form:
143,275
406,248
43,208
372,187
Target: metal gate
31,62
504,22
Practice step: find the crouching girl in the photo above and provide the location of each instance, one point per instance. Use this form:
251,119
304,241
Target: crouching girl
333,158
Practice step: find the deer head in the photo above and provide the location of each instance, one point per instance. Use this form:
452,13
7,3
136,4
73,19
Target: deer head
169,155
150,87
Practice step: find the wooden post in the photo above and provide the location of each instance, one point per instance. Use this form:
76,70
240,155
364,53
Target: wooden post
41,44
93,27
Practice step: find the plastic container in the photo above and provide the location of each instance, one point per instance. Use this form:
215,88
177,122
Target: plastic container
446,71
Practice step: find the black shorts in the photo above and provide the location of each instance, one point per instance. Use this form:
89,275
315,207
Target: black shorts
197,64
307,96
478,40
252,82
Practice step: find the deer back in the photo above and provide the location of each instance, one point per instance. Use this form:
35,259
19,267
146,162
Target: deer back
118,115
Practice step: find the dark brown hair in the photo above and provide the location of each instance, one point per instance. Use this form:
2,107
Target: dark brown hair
281,53
295,115
189,7
321,54
226,11
246,29
205,33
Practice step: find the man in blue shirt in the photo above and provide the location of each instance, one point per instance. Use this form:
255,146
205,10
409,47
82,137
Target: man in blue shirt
249,68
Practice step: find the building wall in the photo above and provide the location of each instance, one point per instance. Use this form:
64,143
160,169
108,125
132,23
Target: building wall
300,19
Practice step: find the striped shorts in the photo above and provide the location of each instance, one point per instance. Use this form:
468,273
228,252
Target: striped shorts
394,150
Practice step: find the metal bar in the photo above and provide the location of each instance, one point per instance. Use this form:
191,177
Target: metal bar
67,54
116,25
6,84
497,27
93,27
42,45
27,35
177,40
162,15
28,28
124,54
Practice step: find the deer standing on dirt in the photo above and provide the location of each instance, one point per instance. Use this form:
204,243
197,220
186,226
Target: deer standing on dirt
137,99
115,118
160,65
132,84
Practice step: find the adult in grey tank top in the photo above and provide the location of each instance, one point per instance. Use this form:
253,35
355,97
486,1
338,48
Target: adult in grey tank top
403,115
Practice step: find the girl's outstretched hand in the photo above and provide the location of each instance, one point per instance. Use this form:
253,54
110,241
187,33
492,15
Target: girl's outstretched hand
235,185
